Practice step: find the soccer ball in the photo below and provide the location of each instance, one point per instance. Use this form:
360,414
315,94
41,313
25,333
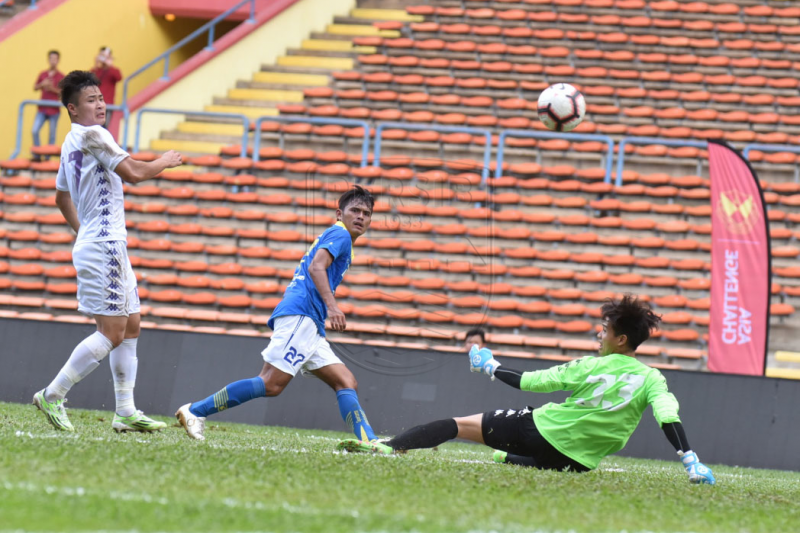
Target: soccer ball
561,107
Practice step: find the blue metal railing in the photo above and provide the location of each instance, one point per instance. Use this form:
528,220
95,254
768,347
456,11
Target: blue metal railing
207,27
773,148
43,103
650,140
552,135
487,152
313,120
153,110
381,126
769,148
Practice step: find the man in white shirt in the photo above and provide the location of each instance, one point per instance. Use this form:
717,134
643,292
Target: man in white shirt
89,195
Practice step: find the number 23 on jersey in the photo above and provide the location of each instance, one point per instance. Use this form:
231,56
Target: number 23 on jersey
632,382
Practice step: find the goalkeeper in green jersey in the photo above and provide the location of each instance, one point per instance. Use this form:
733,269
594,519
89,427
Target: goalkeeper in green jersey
609,395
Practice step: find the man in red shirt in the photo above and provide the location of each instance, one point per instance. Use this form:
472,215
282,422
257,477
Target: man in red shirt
108,75
47,82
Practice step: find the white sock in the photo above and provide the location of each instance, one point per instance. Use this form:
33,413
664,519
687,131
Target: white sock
85,357
123,367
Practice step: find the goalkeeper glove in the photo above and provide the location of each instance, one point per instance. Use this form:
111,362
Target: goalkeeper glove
482,360
698,472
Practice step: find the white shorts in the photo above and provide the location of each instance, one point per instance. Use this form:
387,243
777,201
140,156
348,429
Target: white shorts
106,282
296,344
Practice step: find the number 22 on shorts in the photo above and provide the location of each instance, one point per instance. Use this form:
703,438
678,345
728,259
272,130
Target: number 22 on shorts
294,358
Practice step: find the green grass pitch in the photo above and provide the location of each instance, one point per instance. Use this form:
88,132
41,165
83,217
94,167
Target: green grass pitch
251,478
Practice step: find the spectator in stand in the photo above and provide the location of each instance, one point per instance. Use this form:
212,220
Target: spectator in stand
47,82
108,75
475,336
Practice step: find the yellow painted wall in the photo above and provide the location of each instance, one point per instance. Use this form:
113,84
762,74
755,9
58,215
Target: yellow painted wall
263,46
77,29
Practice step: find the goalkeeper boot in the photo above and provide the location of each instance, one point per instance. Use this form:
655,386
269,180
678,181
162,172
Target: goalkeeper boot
355,445
499,456
136,422
194,425
54,411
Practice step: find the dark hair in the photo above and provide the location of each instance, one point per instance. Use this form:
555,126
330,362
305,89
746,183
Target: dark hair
53,52
73,83
630,317
357,194
476,331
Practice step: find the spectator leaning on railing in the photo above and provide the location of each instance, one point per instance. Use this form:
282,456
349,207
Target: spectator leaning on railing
47,82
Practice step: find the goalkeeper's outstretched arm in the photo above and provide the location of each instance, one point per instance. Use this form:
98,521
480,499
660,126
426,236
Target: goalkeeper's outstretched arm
509,376
481,360
676,436
665,410
698,472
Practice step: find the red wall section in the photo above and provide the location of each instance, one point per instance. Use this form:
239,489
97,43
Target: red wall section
204,9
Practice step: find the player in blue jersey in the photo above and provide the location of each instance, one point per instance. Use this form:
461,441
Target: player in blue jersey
298,342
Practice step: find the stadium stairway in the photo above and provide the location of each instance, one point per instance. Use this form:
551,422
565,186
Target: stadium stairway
530,257
784,365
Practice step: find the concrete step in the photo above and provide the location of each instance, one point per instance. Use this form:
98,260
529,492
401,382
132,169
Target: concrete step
360,30
222,105
785,373
249,84
266,95
311,61
787,357
385,14
336,45
292,79
210,128
401,4
186,146
295,70
320,53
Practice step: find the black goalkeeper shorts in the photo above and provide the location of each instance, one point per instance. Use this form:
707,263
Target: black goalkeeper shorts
514,431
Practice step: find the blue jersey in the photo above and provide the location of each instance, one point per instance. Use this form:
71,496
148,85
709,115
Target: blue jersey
301,296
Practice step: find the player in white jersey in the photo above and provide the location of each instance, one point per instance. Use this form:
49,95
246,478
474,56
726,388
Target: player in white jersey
89,195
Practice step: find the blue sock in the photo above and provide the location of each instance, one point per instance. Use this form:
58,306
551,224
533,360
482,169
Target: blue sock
353,415
234,394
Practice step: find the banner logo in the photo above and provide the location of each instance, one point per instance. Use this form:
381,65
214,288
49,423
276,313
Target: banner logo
737,211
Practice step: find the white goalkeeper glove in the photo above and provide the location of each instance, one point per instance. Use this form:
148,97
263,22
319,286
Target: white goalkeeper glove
481,360
698,472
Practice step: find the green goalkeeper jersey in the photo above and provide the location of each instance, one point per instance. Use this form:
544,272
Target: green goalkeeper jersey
609,395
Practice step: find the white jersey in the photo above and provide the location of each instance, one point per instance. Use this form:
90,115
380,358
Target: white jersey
89,157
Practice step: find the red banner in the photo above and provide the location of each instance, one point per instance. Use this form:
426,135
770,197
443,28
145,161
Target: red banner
740,266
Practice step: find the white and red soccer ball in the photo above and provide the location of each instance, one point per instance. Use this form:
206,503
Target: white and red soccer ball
561,107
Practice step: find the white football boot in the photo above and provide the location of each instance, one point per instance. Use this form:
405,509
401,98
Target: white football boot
194,425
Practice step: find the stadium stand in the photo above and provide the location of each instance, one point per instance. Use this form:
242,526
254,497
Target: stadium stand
530,255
